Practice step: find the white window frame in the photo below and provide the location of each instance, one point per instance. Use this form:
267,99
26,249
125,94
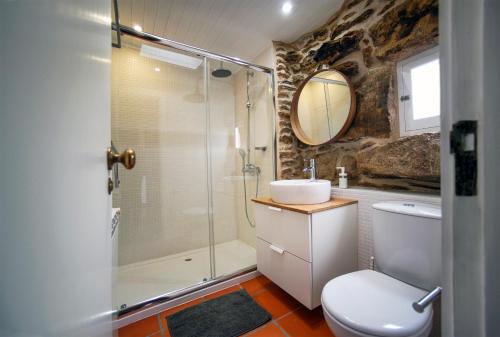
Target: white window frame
407,125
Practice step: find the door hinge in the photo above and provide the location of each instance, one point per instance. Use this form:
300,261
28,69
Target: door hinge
463,144
405,98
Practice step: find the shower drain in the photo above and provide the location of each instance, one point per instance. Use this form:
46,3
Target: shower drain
188,259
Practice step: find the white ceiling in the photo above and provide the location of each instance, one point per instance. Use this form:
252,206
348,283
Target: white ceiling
239,28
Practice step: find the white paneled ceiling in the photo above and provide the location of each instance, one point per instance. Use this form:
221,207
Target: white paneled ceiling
239,28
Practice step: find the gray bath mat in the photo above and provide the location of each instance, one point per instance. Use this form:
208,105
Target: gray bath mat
229,315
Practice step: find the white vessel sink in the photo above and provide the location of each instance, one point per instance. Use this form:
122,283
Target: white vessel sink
300,191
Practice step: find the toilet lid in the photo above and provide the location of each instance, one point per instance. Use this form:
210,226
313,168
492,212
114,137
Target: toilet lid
374,303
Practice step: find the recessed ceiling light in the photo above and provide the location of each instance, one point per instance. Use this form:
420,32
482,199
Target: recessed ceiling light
137,28
157,69
287,8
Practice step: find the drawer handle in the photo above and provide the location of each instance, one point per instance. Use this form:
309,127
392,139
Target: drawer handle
274,208
277,250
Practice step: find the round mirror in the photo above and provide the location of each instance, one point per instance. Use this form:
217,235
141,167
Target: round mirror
323,107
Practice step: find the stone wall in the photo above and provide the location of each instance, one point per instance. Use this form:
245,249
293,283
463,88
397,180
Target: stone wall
364,40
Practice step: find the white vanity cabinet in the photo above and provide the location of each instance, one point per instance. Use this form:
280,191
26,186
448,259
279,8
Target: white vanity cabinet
302,247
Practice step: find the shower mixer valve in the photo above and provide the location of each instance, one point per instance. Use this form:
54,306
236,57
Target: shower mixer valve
250,169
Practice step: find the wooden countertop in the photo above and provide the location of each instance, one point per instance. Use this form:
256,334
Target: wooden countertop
307,209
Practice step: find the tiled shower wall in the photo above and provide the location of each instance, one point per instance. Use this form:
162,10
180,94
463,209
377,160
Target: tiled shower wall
366,198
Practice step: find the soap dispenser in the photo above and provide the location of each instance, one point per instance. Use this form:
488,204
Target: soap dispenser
342,177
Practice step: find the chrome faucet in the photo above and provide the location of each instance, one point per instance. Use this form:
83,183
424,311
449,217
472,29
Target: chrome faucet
311,169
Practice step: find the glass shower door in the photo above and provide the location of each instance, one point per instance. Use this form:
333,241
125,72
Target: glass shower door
202,132
241,147
159,110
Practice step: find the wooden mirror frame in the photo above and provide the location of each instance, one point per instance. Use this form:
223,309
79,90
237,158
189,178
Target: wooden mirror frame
294,113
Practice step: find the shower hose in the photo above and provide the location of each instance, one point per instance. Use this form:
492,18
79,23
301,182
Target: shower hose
245,195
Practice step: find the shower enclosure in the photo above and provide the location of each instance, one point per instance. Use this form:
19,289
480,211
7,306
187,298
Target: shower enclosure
202,127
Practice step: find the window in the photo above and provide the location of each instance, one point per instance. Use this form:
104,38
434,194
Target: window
419,93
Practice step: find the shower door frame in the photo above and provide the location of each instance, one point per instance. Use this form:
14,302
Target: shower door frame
205,54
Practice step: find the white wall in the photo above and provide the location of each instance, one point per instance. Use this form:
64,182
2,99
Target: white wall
366,198
490,164
266,58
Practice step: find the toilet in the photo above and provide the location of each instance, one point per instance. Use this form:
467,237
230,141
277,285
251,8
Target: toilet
407,247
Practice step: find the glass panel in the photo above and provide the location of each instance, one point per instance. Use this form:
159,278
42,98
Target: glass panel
239,139
159,110
425,89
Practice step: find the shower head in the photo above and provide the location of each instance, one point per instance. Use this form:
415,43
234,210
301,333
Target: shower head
221,72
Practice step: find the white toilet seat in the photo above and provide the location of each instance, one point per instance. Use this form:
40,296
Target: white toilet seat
342,330
369,303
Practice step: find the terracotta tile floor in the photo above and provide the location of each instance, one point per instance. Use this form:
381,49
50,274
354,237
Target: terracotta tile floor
290,318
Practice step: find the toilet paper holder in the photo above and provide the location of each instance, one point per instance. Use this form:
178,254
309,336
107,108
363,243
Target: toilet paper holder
430,297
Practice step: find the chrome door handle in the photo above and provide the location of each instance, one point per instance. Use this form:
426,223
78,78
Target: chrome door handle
126,158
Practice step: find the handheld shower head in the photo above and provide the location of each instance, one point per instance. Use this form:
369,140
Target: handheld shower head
242,153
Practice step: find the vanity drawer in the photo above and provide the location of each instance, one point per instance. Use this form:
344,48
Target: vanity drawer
289,272
285,229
